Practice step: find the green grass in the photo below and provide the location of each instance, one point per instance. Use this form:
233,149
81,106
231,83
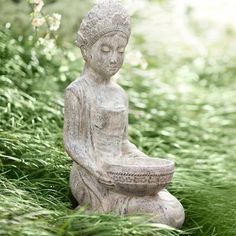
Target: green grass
194,126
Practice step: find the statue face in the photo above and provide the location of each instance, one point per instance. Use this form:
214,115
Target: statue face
106,55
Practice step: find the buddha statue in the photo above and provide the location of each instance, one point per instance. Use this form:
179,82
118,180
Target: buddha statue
109,173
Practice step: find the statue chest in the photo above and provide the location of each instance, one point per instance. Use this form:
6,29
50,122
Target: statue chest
109,118
109,113
108,121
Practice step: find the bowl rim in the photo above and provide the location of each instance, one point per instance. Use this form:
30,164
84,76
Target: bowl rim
163,165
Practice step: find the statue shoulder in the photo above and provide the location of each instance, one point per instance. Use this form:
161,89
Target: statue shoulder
77,88
120,90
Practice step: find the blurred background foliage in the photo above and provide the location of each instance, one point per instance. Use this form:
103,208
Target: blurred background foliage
179,74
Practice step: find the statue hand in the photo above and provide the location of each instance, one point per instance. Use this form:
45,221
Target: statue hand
106,180
103,178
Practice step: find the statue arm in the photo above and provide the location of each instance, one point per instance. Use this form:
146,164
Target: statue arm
74,144
73,140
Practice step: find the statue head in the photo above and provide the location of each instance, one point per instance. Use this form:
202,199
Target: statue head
103,36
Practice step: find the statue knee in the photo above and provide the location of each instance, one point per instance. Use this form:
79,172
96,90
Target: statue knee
163,207
173,210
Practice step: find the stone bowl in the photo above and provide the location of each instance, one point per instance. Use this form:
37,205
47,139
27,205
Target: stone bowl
140,176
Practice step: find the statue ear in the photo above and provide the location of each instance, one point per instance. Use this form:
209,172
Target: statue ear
81,42
84,53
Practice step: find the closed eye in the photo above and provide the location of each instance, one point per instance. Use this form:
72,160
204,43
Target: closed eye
121,50
105,49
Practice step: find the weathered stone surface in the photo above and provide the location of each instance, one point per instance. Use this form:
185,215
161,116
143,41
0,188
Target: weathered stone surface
109,173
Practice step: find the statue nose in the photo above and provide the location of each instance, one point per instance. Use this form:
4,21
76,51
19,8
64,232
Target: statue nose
113,59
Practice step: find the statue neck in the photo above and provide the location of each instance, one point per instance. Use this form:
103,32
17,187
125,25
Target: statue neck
93,76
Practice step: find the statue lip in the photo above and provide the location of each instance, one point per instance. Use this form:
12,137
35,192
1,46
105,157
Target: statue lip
113,67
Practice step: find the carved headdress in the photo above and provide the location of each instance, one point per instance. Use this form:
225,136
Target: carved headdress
108,16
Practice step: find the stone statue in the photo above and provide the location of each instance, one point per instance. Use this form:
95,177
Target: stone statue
109,173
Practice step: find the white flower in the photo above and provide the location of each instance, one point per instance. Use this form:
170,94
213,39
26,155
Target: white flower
38,21
49,49
38,7
54,21
71,56
41,41
135,58
38,4
35,1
